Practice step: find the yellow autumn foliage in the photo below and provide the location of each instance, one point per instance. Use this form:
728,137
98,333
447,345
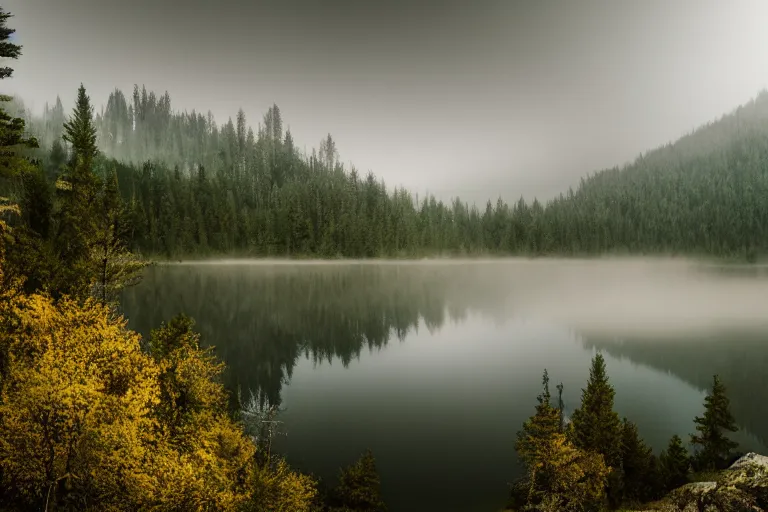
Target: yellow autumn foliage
277,488
76,404
5,238
89,420
210,473
575,478
189,378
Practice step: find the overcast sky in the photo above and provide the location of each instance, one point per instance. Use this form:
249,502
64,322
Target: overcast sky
469,97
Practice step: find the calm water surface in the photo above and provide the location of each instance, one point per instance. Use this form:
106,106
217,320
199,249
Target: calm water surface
434,366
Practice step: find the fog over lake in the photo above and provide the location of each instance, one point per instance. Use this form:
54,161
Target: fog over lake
435,364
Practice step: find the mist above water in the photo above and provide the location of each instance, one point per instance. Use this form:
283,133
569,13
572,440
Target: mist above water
646,297
611,296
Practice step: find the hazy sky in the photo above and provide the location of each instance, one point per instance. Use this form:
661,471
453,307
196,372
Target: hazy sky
469,97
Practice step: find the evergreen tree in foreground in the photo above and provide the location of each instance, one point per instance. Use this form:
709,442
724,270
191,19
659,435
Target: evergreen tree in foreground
114,266
77,191
33,205
558,476
8,50
675,464
597,427
12,129
32,257
711,443
80,132
640,467
577,478
539,428
532,442
359,487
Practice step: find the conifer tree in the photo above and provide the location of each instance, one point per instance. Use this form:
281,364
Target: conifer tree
597,427
56,161
13,137
711,441
639,466
575,478
115,267
37,202
8,50
80,132
32,258
359,487
539,428
558,475
675,464
33,204
76,222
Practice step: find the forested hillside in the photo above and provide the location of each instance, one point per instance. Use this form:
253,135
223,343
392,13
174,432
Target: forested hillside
195,188
92,415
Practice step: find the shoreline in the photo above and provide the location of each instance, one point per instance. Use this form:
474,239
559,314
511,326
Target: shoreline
458,260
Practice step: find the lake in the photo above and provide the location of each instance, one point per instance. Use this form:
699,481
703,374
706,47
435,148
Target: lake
434,365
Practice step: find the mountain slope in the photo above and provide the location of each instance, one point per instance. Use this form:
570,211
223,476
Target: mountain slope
706,193
228,190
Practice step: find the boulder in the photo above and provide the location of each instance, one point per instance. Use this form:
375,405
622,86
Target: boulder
751,459
743,487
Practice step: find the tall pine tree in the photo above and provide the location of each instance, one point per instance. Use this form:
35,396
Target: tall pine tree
80,132
534,443
33,258
597,427
115,267
77,191
13,137
558,475
675,464
711,442
639,466
29,249
539,428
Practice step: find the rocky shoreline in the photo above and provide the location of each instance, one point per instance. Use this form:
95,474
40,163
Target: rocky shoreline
742,487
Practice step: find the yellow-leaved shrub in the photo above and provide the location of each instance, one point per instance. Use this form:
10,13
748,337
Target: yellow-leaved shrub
88,420
77,402
575,478
277,488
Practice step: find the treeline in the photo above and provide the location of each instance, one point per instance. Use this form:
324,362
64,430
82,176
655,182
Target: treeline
93,416
598,461
194,188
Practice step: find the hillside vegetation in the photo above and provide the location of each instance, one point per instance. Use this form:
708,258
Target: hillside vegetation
96,417
195,188
92,415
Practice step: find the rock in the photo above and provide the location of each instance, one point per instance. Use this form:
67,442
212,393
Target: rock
700,487
714,496
751,459
743,487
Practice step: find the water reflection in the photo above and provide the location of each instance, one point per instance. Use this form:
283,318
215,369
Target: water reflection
436,366
262,319
739,357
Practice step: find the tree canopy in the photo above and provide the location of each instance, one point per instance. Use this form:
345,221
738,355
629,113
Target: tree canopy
712,428
195,187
